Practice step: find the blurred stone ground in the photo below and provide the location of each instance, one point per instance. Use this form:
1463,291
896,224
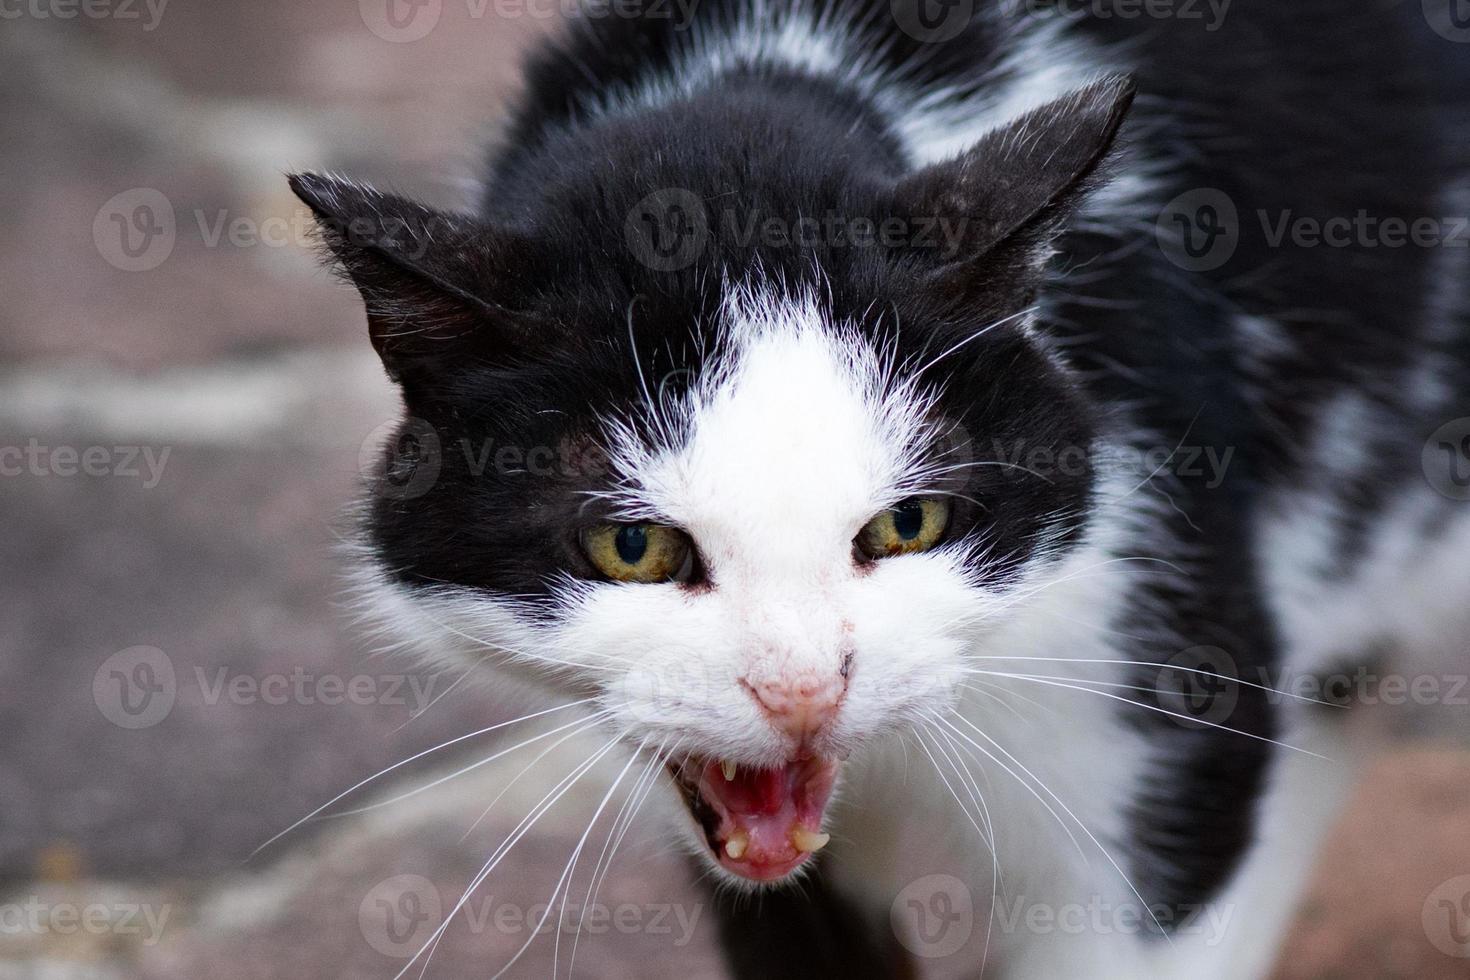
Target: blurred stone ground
192,400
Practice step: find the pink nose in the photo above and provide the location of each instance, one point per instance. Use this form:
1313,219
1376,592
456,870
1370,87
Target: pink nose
799,706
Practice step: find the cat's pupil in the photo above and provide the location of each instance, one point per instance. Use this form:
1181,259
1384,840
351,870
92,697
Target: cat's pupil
908,519
632,543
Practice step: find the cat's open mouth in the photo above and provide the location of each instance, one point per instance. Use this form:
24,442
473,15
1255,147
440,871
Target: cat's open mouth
760,823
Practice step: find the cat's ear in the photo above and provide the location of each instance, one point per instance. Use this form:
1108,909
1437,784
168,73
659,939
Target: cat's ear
1010,193
429,279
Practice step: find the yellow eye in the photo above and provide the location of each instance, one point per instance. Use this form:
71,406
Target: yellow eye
914,525
639,553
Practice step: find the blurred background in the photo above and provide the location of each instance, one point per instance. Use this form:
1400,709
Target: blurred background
185,398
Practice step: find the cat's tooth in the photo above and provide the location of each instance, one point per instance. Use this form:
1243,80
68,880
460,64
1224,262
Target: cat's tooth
736,845
808,841
728,768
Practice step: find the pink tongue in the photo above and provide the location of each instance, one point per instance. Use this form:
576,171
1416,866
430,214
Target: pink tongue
763,807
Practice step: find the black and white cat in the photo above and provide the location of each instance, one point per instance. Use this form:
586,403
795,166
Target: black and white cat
920,453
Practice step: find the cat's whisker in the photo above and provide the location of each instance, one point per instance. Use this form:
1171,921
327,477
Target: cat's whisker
579,725
568,875
976,336
930,474
1160,664
1058,817
997,882
1002,689
1149,663
468,671
517,777
621,822
413,758
1053,682
1082,826
521,829
987,832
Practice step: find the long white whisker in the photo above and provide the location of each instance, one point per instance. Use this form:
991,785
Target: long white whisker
1147,663
1052,682
976,336
997,885
1090,836
583,724
443,745
984,836
527,768
604,860
568,875
529,821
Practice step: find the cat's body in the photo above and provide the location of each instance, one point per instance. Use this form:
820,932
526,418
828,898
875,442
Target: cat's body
1167,459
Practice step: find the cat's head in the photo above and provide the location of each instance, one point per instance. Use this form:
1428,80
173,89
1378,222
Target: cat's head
748,493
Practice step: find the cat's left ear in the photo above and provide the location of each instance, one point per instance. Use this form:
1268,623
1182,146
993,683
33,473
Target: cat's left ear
1012,191
434,283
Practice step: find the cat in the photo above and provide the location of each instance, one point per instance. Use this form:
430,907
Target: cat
925,443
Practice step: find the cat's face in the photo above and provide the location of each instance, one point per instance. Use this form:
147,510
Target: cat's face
758,511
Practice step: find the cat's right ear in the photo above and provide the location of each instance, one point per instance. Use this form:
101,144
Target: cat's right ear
429,279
